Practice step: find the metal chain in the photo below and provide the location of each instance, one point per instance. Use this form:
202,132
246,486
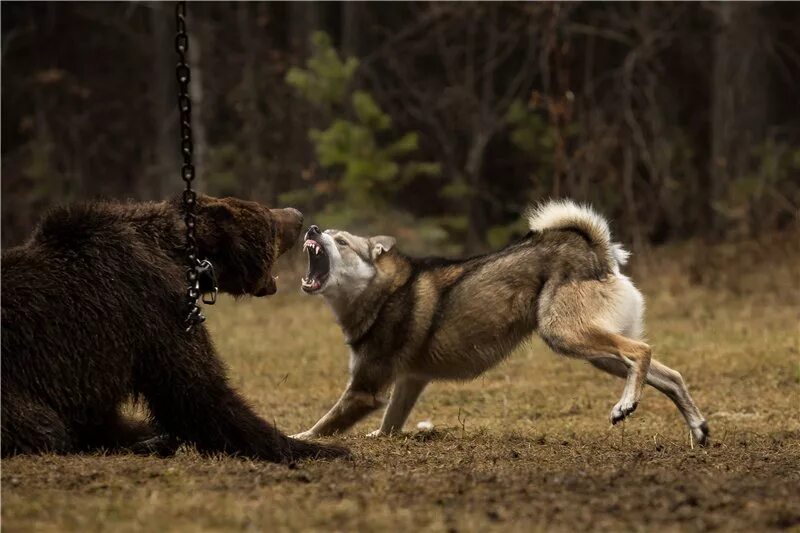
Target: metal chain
193,316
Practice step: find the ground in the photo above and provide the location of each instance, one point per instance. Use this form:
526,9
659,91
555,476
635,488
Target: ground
526,447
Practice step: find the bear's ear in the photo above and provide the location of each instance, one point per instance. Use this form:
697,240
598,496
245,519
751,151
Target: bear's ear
214,224
380,244
216,212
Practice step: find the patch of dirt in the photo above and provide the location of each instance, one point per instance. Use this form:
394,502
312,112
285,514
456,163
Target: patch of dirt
527,447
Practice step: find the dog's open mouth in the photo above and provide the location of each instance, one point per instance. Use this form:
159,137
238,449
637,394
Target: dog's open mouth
318,266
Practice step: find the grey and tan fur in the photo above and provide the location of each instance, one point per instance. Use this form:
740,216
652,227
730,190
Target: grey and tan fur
411,321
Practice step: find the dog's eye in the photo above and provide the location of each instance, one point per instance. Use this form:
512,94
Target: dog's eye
341,241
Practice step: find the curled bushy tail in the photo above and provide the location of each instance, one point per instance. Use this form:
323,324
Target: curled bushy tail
566,214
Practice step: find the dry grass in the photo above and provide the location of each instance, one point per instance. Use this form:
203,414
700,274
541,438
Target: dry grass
526,447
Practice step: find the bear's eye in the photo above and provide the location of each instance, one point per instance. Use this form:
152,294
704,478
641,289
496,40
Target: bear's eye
341,242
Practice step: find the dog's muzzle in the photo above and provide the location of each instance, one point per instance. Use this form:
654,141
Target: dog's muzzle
318,262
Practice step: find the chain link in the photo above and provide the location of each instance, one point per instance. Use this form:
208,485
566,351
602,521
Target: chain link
183,73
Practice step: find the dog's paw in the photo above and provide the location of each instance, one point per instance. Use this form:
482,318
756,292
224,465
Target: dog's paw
305,435
376,433
701,433
622,410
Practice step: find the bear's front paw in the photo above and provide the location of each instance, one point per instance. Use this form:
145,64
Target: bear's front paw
160,445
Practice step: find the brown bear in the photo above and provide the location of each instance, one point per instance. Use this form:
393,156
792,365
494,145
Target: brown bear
93,312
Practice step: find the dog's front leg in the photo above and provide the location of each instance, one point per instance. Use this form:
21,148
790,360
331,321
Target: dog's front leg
351,407
360,398
404,396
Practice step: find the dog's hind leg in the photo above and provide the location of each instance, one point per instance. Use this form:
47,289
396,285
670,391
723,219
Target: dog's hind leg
594,343
404,396
585,319
670,383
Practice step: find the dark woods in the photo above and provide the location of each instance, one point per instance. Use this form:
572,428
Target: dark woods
437,121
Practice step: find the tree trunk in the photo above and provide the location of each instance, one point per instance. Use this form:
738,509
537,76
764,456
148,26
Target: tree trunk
351,28
252,117
739,100
303,21
196,93
164,176
476,218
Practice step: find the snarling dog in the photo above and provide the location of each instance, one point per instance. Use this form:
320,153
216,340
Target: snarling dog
409,321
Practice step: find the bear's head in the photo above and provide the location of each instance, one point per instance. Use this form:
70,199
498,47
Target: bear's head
242,240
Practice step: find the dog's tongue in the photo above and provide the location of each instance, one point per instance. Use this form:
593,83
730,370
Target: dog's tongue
313,279
310,283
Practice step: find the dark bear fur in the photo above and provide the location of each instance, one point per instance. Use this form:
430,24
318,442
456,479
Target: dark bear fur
92,315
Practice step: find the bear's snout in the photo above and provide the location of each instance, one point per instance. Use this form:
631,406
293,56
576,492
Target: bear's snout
268,288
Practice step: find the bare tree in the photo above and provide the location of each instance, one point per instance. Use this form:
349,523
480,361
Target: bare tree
197,94
740,86
165,165
442,70
252,118
352,15
629,137
304,19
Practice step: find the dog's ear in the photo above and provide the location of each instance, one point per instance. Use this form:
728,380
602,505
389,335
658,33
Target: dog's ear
380,244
